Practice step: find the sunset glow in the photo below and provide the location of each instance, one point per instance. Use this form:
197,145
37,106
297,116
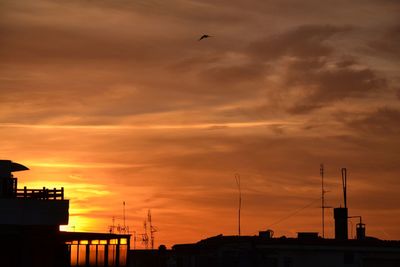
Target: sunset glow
117,100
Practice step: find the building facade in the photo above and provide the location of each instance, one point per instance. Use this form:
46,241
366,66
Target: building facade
257,251
30,220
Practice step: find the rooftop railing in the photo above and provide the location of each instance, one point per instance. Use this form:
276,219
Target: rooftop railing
42,194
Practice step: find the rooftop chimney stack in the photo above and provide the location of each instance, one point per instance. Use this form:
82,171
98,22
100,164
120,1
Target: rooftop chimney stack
360,228
341,231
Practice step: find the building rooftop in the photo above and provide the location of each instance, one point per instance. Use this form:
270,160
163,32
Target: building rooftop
220,240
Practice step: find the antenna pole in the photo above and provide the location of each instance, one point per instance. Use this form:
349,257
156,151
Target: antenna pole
134,239
124,214
145,235
237,178
322,199
151,229
344,181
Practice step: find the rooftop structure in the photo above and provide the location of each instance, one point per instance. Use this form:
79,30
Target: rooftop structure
305,250
308,249
30,207
29,229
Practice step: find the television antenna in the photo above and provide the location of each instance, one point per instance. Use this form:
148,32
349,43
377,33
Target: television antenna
237,179
321,170
152,229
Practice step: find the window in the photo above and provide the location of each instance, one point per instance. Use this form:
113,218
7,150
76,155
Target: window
74,255
92,255
123,250
100,255
111,255
82,255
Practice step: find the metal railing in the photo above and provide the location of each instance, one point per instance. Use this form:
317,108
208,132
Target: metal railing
43,193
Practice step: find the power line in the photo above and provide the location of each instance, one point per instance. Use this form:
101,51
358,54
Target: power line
293,213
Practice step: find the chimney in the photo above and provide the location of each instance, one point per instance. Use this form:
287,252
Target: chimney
341,214
341,231
360,230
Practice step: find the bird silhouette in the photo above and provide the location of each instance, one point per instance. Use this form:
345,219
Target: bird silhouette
204,36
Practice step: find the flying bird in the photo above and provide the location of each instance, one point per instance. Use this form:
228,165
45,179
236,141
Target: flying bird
204,37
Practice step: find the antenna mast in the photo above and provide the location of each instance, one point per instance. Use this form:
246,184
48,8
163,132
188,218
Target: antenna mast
121,229
145,236
124,214
134,239
321,170
112,227
237,178
152,229
344,181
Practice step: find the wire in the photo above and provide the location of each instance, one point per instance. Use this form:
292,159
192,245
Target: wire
293,213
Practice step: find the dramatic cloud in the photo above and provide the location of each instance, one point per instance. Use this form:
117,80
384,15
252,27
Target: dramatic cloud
119,101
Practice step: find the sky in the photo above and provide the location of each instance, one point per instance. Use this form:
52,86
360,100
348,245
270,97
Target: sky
117,100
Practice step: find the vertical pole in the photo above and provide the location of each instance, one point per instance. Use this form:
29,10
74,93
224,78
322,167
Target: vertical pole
124,217
88,254
322,199
237,177
344,181
113,225
134,239
106,253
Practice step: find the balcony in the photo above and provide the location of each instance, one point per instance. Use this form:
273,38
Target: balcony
41,194
34,207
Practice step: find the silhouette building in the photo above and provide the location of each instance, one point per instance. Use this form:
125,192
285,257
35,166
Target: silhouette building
30,235
308,249
304,251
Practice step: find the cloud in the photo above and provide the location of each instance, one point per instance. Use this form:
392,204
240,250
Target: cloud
382,122
387,43
307,41
122,95
325,86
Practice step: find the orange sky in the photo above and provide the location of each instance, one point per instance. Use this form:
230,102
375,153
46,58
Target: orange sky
116,100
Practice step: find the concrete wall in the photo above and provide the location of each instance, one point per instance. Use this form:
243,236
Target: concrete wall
33,212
